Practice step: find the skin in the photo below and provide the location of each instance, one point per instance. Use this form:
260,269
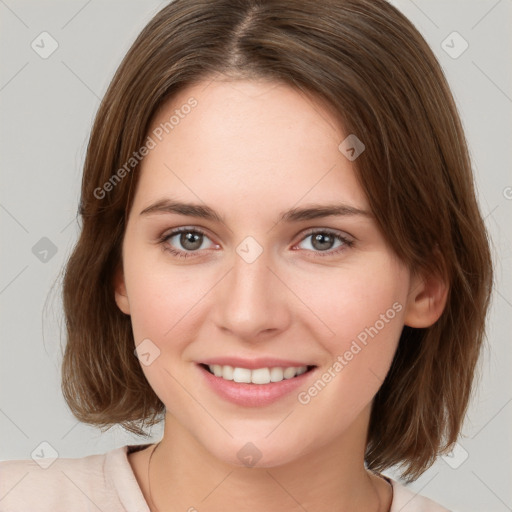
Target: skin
250,150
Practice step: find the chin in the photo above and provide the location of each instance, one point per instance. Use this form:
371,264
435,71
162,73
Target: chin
255,454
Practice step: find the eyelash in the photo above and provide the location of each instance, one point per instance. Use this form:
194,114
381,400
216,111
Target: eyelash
322,254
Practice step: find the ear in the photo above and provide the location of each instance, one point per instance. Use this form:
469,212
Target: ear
121,296
428,293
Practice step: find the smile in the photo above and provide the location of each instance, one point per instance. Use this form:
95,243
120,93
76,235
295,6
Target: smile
257,375
255,387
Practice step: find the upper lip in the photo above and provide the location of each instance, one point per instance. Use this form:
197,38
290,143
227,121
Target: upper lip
251,364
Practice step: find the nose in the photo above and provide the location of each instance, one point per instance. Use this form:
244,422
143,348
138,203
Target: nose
252,303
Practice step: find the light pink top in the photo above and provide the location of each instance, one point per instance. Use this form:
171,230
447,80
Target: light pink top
106,482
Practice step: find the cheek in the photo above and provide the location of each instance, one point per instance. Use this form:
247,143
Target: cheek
361,310
163,305
348,300
162,297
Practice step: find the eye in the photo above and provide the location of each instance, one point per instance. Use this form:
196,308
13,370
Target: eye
191,239
322,241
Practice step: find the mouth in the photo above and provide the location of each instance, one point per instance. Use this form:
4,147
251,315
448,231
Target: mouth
256,376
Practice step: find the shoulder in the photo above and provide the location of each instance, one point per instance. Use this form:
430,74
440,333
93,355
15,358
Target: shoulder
406,500
103,481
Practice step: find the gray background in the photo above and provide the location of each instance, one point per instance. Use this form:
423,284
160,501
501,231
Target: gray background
46,110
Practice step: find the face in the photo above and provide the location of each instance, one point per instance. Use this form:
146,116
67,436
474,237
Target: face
318,290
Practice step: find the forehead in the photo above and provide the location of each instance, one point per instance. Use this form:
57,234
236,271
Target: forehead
258,141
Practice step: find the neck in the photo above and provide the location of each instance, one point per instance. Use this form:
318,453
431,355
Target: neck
185,476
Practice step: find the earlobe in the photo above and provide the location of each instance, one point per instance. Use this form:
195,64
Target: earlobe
428,294
121,297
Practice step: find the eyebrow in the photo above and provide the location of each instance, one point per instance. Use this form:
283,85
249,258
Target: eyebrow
293,215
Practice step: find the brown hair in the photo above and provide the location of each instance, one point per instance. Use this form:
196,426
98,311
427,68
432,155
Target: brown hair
374,69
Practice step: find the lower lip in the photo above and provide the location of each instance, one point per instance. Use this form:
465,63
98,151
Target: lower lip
253,395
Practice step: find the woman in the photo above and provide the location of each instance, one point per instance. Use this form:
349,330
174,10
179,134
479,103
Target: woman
281,256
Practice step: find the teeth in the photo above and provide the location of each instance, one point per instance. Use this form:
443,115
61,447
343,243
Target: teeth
258,375
276,374
242,375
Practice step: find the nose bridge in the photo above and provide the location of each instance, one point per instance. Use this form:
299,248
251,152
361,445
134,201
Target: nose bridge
251,301
251,272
